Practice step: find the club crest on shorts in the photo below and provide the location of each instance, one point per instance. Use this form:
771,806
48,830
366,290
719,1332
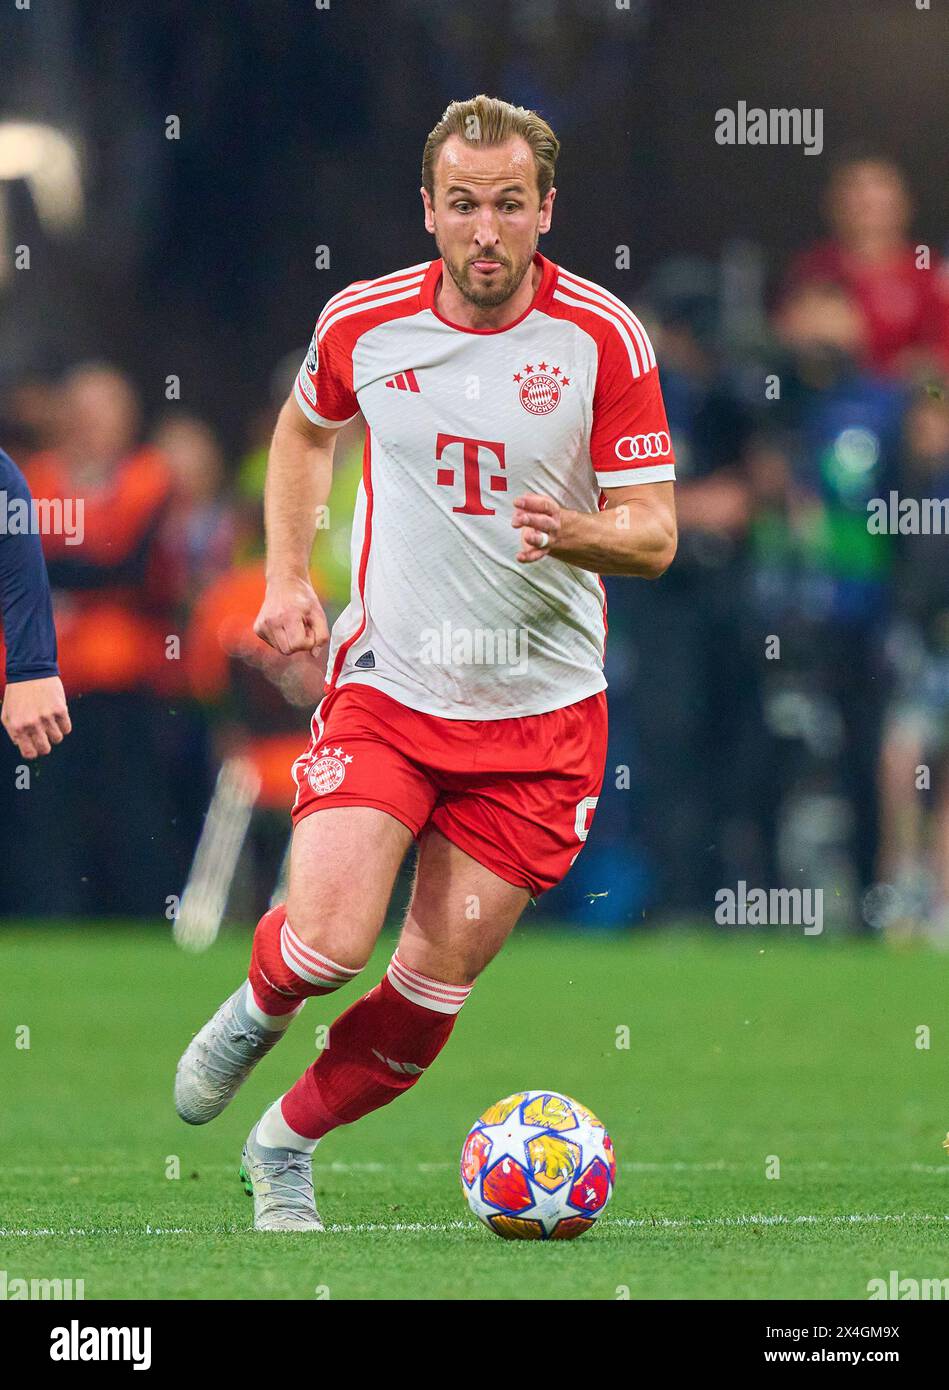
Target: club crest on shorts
540,387
327,770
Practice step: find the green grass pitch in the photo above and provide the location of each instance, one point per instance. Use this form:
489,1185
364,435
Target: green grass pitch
740,1048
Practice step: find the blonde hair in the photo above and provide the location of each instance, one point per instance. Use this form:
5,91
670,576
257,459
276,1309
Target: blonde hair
486,121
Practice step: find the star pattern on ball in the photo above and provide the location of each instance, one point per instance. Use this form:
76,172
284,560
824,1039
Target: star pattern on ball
510,1138
537,1165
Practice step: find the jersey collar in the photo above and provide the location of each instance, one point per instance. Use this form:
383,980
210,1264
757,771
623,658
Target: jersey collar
545,289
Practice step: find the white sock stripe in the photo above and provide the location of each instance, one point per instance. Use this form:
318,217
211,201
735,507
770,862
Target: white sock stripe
429,994
424,1001
310,965
416,977
433,989
314,956
313,974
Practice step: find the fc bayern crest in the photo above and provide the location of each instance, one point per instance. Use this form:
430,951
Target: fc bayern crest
540,387
327,771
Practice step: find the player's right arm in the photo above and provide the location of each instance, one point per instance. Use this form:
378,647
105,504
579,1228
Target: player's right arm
299,477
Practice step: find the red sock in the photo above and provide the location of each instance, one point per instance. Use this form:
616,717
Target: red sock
284,970
376,1050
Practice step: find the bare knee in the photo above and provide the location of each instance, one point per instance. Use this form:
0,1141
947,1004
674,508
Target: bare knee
343,938
343,863
456,958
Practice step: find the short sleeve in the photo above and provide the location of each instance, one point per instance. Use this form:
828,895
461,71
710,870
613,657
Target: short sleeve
324,385
629,441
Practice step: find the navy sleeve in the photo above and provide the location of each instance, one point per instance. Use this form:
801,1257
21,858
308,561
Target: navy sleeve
26,610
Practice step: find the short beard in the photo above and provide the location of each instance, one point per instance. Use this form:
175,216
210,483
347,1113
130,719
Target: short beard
489,296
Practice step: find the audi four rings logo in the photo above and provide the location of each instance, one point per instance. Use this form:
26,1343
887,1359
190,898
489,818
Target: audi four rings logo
643,446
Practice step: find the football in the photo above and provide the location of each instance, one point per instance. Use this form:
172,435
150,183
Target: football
538,1166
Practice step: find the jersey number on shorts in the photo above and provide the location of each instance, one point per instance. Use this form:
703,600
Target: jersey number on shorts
583,817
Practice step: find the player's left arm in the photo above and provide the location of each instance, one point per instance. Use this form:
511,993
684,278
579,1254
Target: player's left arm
34,711
631,454
634,534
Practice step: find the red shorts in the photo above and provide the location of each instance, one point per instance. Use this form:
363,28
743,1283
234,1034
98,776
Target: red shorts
517,795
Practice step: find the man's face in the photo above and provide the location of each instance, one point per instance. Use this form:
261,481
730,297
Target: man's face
869,197
100,414
486,216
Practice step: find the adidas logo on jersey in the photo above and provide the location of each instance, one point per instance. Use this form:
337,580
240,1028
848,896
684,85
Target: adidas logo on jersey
404,381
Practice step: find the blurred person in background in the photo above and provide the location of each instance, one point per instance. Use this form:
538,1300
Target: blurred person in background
195,544
114,616
199,529
914,852
30,413
825,446
257,702
703,681
905,306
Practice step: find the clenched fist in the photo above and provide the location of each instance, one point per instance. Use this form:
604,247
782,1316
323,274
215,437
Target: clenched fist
35,715
291,618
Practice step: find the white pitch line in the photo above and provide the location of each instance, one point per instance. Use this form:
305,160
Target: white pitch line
679,1223
443,1227
718,1165
645,1223
761,1219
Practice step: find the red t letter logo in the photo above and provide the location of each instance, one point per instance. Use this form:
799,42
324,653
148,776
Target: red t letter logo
445,477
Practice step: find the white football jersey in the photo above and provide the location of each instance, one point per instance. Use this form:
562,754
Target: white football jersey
564,401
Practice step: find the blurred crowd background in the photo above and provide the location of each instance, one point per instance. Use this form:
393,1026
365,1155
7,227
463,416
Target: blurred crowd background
174,177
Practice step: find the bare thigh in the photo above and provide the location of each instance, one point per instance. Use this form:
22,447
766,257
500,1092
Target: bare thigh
460,914
343,865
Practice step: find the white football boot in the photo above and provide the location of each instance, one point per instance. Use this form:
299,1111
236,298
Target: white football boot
219,1059
281,1184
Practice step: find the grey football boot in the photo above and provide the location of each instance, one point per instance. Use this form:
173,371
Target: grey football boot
219,1059
281,1184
